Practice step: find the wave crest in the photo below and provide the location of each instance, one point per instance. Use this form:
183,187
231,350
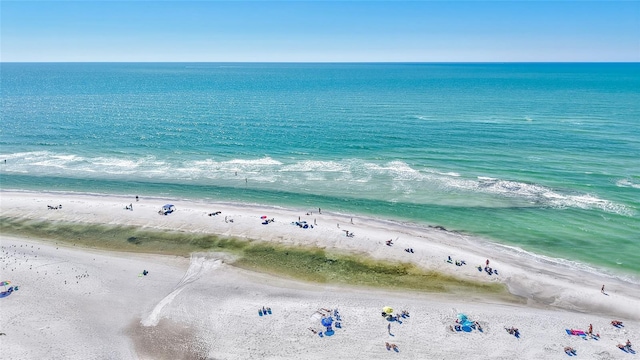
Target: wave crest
391,181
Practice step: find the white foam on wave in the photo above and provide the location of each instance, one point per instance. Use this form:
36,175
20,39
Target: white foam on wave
315,166
40,161
47,159
627,183
127,164
388,180
263,161
397,170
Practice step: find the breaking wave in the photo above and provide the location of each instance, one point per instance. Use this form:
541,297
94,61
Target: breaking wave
390,181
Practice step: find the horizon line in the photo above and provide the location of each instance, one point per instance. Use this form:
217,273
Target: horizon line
321,62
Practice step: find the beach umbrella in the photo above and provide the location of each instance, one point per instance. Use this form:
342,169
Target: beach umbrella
326,321
263,217
5,283
387,310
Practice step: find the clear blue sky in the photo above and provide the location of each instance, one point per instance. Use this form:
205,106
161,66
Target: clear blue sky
415,31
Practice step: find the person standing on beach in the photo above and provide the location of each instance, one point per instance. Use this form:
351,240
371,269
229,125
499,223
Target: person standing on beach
389,328
602,290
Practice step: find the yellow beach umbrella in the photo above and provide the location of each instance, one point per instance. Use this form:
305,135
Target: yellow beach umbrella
387,310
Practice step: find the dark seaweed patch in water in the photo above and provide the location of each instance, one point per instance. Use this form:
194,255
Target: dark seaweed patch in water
313,264
122,238
134,240
304,263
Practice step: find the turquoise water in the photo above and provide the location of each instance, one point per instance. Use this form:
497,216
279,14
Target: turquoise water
543,157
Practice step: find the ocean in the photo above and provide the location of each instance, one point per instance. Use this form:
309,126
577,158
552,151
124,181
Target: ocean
542,158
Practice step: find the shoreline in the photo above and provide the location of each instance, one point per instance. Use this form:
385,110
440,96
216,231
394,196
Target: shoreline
545,284
474,240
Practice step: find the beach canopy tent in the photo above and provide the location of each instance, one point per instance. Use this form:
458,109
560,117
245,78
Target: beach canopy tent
168,208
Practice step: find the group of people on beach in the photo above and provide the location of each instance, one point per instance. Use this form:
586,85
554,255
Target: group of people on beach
301,224
457,262
513,331
264,311
626,347
54,207
392,346
617,323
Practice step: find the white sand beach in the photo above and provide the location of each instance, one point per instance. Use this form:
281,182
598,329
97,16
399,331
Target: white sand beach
78,303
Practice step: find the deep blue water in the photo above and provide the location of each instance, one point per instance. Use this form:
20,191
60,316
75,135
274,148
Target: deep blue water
544,157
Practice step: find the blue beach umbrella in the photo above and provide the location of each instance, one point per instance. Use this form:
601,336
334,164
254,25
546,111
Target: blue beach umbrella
326,321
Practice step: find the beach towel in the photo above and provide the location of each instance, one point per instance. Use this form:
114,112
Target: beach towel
575,332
